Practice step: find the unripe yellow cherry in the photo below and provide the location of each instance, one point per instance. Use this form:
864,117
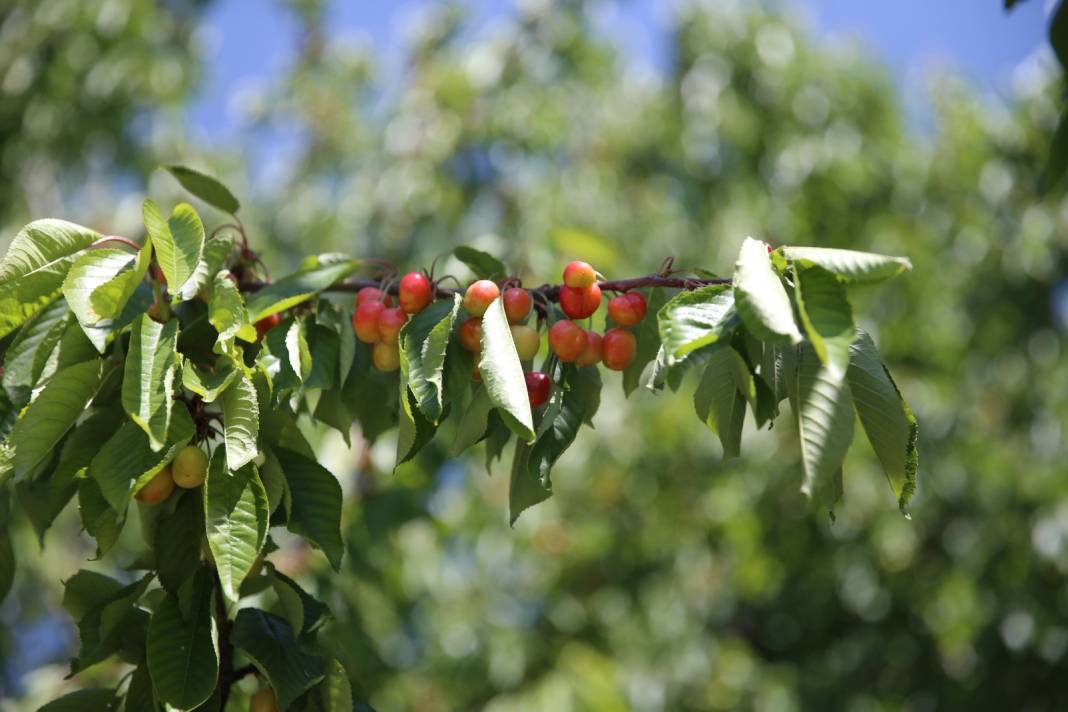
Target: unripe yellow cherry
158,488
190,467
263,701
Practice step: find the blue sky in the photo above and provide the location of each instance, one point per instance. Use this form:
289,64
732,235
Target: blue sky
254,38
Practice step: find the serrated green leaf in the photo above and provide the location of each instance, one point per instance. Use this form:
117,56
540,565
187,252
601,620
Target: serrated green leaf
93,699
104,625
316,503
177,542
241,422
824,417
235,516
183,656
474,421
49,417
852,266
298,287
424,340
208,189
269,641
109,299
413,429
139,694
208,385
694,319
886,418
760,296
502,372
178,241
102,522
335,692
216,251
648,336
482,264
86,590
24,358
299,357
91,271
718,402
227,312
323,344
826,314
299,604
148,380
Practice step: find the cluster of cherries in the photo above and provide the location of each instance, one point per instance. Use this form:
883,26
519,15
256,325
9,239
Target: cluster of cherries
376,321
187,471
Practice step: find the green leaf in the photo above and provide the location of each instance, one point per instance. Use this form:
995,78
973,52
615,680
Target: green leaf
102,522
24,359
139,694
89,273
34,267
1058,34
1057,160
226,310
105,624
240,410
216,251
827,315
852,266
648,335
322,372
474,421
51,415
7,551
413,429
316,503
886,418
177,542
148,380
300,606
692,320
482,264
298,287
270,643
178,240
93,699
425,339
86,590
824,417
235,517
760,297
208,385
109,299
208,189
718,402
183,656
335,692
502,372
126,462
296,349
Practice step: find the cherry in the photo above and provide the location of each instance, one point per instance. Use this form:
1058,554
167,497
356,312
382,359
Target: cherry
538,387
479,296
372,294
580,303
157,275
627,309
415,292
592,353
476,375
390,322
386,356
266,324
365,320
526,341
189,468
579,274
471,334
567,340
158,488
263,700
617,348
517,304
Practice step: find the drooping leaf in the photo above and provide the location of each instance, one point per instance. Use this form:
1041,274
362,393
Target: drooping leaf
1057,160
109,299
886,418
648,335
297,352
826,314
298,287
335,692
273,648
323,344
692,320
208,385
718,402
235,517
94,699
241,422
482,264
139,694
148,381
413,429
226,310
824,417
177,542
424,340
183,656
760,296
502,372
300,605
24,358
102,522
86,590
316,503
91,271
208,189
852,266
178,241
216,251
104,624
473,421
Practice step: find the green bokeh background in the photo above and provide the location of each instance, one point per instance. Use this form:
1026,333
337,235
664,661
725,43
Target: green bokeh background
658,577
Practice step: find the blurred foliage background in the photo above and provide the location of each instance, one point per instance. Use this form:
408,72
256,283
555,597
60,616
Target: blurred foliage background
658,577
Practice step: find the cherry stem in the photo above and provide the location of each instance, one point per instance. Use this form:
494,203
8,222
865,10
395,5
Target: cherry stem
116,238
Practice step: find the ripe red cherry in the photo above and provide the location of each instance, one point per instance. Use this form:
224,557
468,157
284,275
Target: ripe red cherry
617,348
365,320
579,274
373,294
390,322
471,334
592,353
627,309
479,296
266,324
517,304
415,292
538,387
526,341
580,303
567,340
386,357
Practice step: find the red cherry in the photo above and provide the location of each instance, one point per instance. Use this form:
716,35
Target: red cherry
415,292
386,357
538,387
617,348
567,340
592,353
479,296
517,304
476,375
627,309
390,322
365,320
579,274
157,274
580,303
266,324
471,334
372,294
